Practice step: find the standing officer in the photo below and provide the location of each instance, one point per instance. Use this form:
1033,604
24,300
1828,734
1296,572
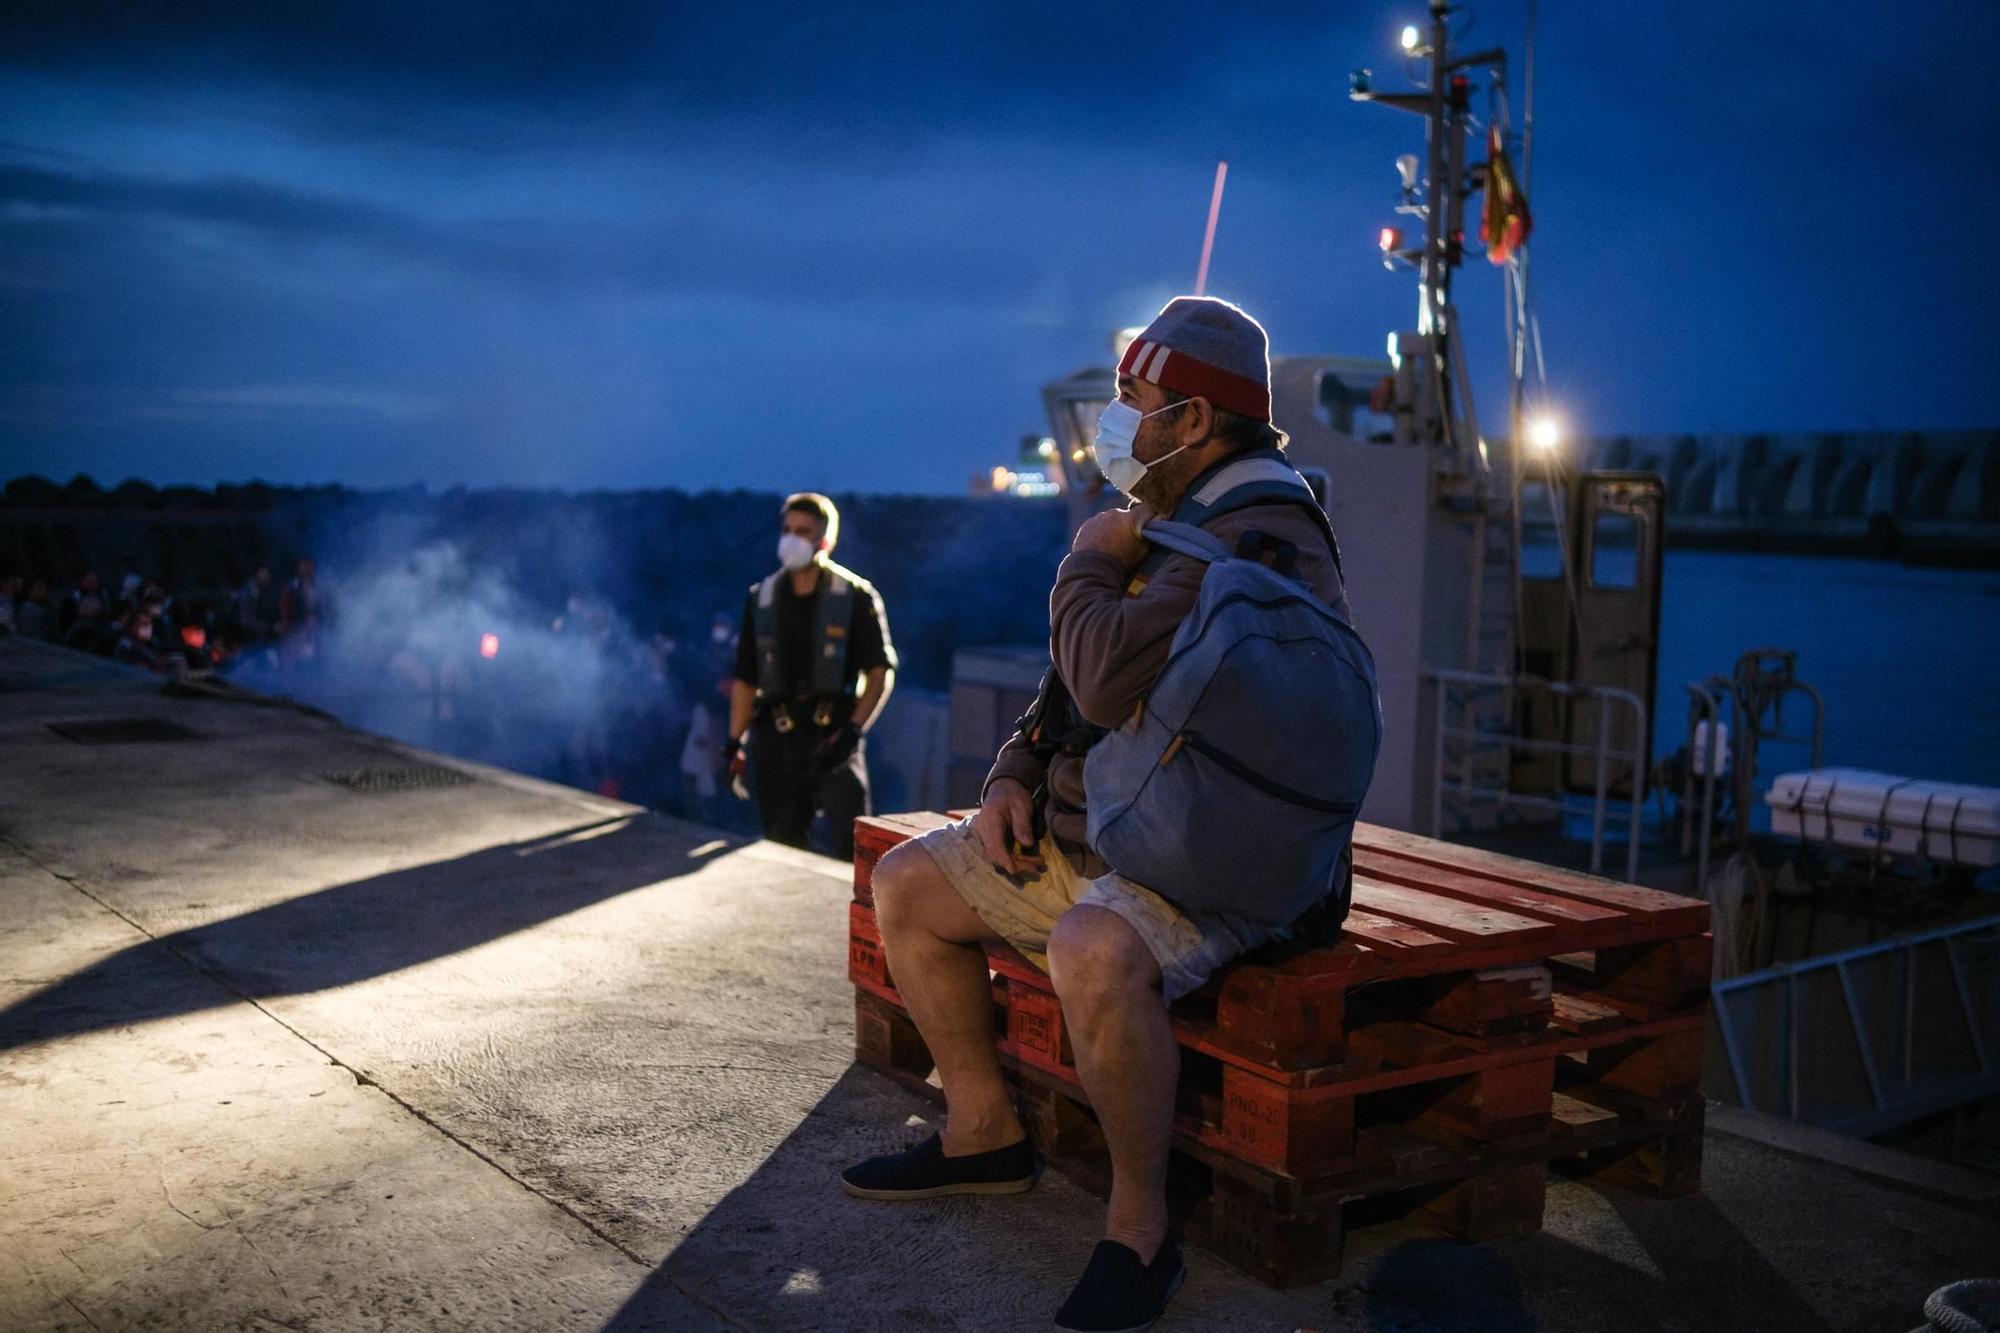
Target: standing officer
814,666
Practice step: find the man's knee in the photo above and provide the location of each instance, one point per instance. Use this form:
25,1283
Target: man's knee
904,884
1095,952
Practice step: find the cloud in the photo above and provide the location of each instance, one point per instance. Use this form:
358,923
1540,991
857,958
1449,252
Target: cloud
277,401
761,251
860,62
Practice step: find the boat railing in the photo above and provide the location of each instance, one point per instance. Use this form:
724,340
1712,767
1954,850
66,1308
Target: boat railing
1870,1038
1728,725
1461,688
1705,704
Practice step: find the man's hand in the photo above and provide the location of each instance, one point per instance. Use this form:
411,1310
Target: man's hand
738,768
1116,533
836,748
1006,828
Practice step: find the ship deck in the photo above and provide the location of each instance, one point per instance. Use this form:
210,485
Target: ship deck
303,1028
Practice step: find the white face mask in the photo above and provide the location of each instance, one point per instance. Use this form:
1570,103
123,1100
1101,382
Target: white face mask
1116,429
795,552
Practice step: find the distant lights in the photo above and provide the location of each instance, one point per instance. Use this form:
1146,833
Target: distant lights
1047,448
1026,483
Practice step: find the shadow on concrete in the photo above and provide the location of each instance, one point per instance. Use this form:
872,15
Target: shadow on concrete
1706,1272
1433,1283
787,1250
352,932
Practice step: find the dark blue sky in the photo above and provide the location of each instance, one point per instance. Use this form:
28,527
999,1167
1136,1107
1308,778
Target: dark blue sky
843,245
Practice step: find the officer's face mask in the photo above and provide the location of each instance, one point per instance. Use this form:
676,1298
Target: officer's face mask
795,552
1116,429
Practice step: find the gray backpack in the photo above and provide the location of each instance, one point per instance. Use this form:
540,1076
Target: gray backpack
1236,785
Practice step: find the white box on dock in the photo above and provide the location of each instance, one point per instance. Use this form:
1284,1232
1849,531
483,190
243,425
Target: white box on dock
1946,822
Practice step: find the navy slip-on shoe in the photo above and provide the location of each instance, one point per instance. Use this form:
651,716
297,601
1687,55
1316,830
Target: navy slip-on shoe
1118,1294
924,1172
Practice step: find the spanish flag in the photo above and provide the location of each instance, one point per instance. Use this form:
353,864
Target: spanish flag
1504,224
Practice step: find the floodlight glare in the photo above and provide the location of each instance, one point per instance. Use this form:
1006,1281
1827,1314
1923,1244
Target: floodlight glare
1544,433
1411,37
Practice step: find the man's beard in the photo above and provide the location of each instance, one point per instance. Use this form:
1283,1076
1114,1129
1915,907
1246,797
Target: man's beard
1163,482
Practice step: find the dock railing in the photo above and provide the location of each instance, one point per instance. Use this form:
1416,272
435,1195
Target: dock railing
1871,1038
1457,686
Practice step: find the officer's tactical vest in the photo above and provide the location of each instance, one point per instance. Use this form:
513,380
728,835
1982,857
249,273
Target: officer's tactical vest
833,612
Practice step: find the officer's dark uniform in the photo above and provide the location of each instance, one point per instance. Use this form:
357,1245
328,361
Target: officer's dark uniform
806,655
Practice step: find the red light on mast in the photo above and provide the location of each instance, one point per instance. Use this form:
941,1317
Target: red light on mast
489,645
1389,239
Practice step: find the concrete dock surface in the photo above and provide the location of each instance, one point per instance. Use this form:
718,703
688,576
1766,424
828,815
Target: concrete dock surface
302,1029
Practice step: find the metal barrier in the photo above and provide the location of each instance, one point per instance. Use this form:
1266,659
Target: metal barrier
1921,1030
1466,785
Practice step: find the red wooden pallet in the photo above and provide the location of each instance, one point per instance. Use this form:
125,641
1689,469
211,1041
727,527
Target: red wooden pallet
1479,1016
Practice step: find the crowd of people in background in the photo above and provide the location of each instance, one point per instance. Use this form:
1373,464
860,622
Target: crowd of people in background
144,624
653,731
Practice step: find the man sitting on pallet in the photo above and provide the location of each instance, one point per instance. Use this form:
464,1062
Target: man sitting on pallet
1190,435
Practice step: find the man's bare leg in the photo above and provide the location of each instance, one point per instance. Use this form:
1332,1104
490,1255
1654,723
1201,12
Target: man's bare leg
1109,986
933,942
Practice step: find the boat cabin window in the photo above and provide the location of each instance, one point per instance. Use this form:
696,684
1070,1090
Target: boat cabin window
1083,414
1614,551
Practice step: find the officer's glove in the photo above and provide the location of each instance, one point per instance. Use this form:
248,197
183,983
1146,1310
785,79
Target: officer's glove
739,768
837,748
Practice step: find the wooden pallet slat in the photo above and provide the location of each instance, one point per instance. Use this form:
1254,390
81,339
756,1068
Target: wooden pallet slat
1462,923
1473,888
1666,913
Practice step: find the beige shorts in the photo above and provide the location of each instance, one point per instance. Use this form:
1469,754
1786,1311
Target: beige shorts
1022,909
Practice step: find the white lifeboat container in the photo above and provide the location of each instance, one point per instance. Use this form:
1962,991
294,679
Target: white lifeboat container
1942,822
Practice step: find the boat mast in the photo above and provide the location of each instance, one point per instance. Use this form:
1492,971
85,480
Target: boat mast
1444,413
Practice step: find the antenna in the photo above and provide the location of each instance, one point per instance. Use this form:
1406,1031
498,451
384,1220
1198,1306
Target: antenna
1208,239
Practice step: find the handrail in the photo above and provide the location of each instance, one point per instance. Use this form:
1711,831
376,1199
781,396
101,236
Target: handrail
1604,695
1888,1103
1859,952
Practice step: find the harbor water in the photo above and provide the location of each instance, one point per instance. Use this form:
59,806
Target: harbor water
1906,657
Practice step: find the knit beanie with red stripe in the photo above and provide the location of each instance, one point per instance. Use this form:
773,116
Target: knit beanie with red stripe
1206,348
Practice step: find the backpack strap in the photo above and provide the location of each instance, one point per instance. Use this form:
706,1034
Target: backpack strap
1262,476
1186,539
